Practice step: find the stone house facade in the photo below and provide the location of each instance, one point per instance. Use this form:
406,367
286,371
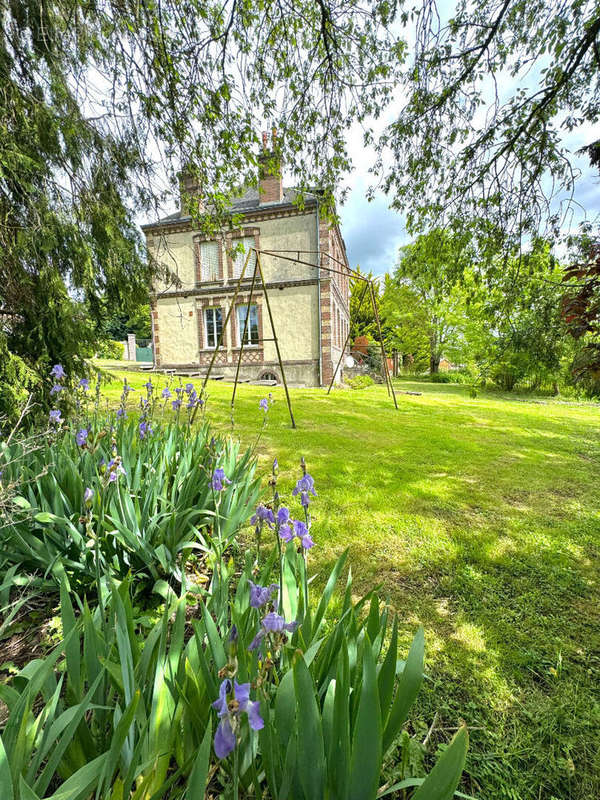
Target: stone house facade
310,305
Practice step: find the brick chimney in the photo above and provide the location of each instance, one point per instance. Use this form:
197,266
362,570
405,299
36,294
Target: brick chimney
190,193
270,187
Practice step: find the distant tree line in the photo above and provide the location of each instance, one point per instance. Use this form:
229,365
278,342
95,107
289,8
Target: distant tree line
533,324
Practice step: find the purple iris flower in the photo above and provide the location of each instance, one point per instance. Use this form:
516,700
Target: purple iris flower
229,712
264,404
56,389
291,528
176,404
192,397
55,415
260,595
189,388
115,469
283,515
58,372
166,393
302,532
271,623
84,384
275,623
285,532
81,436
219,479
262,514
121,413
149,386
306,486
88,495
275,464
145,429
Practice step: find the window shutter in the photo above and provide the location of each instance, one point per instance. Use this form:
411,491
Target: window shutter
209,261
239,259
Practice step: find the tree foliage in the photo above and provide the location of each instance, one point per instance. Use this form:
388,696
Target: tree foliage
522,335
490,93
508,330
362,314
428,295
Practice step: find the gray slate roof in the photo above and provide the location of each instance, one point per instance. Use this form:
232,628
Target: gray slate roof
246,202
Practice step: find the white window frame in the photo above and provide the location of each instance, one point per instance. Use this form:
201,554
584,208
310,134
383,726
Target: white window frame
240,326
213,311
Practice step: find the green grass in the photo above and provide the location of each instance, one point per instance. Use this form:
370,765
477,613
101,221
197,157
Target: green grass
480,518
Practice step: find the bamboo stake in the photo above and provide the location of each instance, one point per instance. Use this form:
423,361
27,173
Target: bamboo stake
268,304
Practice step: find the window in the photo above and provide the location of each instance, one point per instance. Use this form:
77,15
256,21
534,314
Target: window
214,325
252,329
239,258
209,261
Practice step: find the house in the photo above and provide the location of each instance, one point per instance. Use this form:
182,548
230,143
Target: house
310,305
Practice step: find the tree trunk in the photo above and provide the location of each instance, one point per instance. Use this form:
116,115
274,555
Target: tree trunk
434,355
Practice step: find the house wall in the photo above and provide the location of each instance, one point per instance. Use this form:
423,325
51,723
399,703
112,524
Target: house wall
293,293
335,301
175,252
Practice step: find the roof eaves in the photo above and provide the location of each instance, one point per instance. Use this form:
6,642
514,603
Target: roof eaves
169,221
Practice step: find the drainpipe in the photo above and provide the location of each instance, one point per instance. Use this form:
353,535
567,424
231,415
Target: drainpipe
319,289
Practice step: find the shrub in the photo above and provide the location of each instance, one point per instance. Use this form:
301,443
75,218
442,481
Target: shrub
110,349
360,382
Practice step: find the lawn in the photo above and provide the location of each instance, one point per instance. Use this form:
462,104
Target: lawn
480,518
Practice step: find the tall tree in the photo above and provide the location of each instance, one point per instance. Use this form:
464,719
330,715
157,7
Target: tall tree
431,271
524,335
